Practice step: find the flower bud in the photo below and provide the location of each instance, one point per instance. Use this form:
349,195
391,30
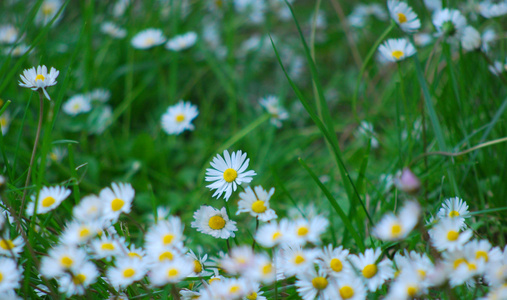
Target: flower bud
407,182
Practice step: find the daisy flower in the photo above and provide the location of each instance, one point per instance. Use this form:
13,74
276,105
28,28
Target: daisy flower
238,261
373,274
334,261
262,269
272,105
272,234
349,288
228,172
107,247
77,232
49,199
392,228
89,208
62,259
449,23
490,9
404,16
47,11
182,42
113,30
148,38
406,286
214,222
296,260
471,39
8,34
256,203
135,253
395,50
161,254
257,294
10,275
39,79
11,247
230,288
178,117
117,199
166,233
304,231
5,121
454,208
126,272
171,271
446,235
199,266
314,285
76,282
77,104
419,262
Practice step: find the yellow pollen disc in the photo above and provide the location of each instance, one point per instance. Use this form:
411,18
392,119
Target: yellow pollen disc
213,280
452,235
302,231
481,254
48,201
346,292
458,262
117,204
53,156
234,289
197,267
396,230
1,102
150,41
258,207
133,254
168,238
402,18
2,278
172,272
396,273
472,267
39,77
267,269
453,214
397,54
3,122
370,270
76,106
66,261
216,222
230,175
180,118
6,244
107,246
421,273
252,296
166,256
127,273
319,283
299,260
336,265
79,279
412,291
84,233
47,9
276,235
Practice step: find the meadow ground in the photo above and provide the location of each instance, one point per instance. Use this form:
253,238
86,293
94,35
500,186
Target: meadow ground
253,149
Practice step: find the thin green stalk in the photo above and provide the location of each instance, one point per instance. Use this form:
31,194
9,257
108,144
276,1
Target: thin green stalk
408,119
10,171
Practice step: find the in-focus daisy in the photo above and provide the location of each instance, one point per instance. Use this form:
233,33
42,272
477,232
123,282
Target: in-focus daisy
214,222
403,15
256,202
446,235
374,274
62,259
117,199
47,11
76,105
228,172
11,247
392,228
49,199
178,117
199,266
171,271
349,288
454,208
113,30
148,38
182,42
5,121
449,23
10,275
39,78
77,281
126,272
274,108
314,285
334,261
396,49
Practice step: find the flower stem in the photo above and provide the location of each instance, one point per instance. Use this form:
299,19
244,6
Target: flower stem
39,127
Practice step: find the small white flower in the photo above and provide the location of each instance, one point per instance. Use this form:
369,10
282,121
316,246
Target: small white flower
278,113
471,39
77,232
199,264
117,199
498,67
77,282
171,271
228,172
214,222
39,78
113,30
296,260
178,117
166,233
422,39
273,233
11,247
350,288
335,261
454,208
392,228
47,11
126,272
238,261
404,16
100,95
8,34
374,274
446,235
61,259
490,9
148,38
90,208
304,231
10,275
160,254
257,203
314,285
108,246
433,5
449,23
261,270
406,286
76,105
182,42
396,49
49,199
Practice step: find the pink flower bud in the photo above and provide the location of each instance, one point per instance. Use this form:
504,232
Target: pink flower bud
407,182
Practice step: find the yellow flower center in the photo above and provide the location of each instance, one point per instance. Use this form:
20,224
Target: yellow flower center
230,175
402,18
452,235
84,232
136,255
336,265
412,290
234,289
107,246
117,204
453,214
276,235
346,292
76,106
2,278
216,222
172,272
180,118
299,259
79,279
319,283
396,230
421,273
267,269
458,262
66,261
150,41
53,156
6,244
481,254
3,122
168,238
47,9
370,270
302,231
127,273
258,207
252,296
472,267
397,54
48,201
213,280
40,77
167,255
197,267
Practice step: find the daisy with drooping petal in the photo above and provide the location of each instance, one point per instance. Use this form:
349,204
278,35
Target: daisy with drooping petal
228,172
117,199
392,228
49,199
127,271
373,274
335,261
214,222
148,38
446,235
10,275
11,247
76,105
396,49
182,42
314,285
256,202
39,79
403,15
178,117
77,282
449,23
454,208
